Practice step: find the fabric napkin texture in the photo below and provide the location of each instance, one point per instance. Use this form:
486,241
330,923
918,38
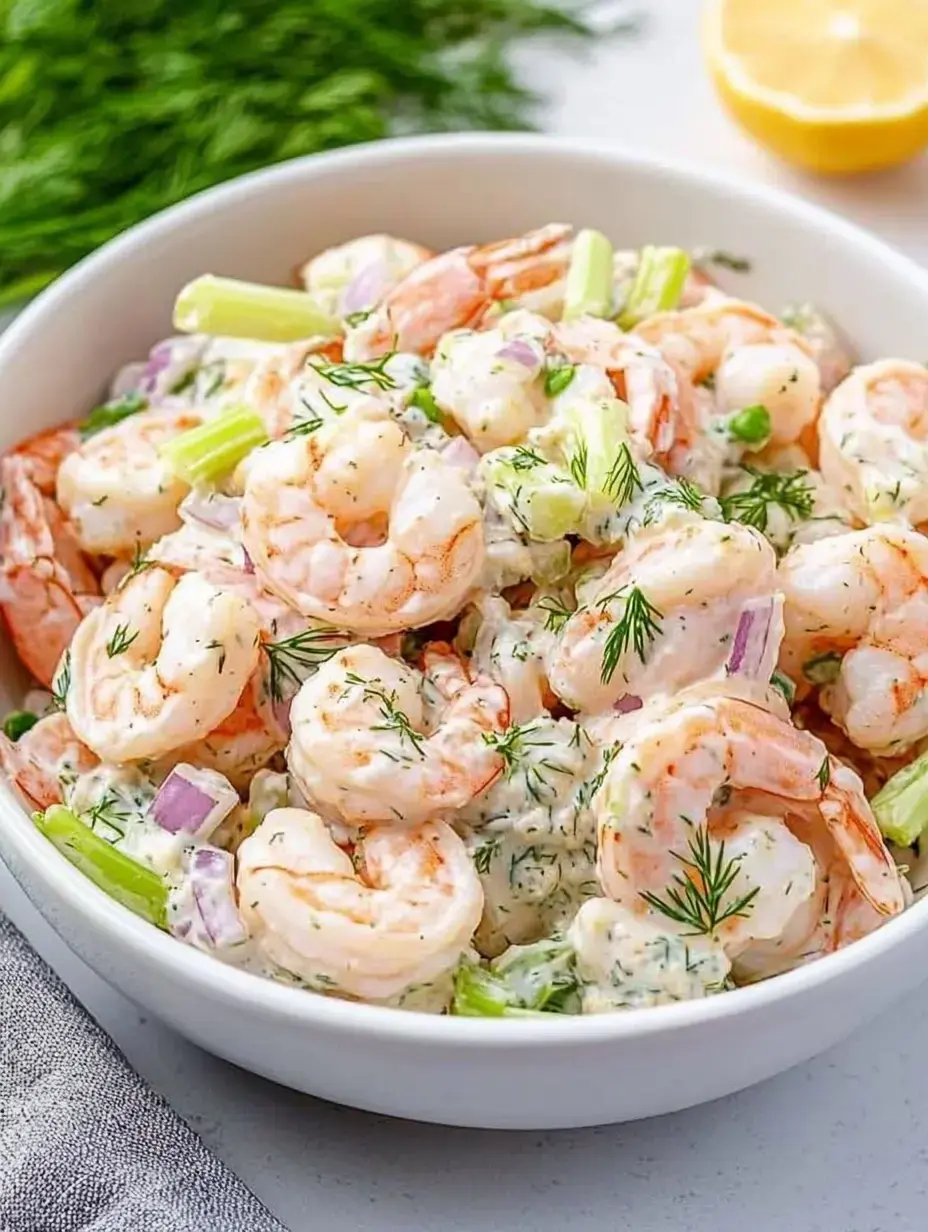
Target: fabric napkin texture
85,1144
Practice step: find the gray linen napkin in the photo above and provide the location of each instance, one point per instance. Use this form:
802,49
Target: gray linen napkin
85,1144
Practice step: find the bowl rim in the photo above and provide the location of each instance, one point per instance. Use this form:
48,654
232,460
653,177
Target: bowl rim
202,972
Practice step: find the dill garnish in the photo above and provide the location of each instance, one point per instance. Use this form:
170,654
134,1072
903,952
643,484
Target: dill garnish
789,490
637,628
695,897
303,652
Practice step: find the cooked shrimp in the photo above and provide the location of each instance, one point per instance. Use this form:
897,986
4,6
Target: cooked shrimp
863,596
48,586
373,741
490,381
668,612
244,742
355,277
665,798
662,413
274,386
752,356
117,490
159,665
43,454
304,496
454,289
873,434
509,648
46,758
401,913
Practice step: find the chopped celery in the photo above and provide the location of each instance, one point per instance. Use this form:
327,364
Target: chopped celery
750,426
209,451
128,882
234,309
597,432
658,284
588,289
18,722
558,378
423,399
540,496
901,806
823,669
526,979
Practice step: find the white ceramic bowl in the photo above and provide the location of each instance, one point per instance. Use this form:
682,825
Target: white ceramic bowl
55,361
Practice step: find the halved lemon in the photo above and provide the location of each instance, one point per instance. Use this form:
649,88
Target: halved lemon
835,85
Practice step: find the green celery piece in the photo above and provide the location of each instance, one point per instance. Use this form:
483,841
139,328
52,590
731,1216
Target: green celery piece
600,427
588,290
751,426
901,806
658,284
544,501
212,449
234,309
112,413
123,879
525,980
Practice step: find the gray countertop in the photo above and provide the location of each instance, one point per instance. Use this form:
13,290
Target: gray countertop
838,1145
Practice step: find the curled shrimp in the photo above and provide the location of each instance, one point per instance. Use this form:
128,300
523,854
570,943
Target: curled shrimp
44,758
490,381
48,585
306,496
355,277
662,412
856,609
400,913
873,433
159,665
373,741
667,613
753,358
43,454
454,289
677,789
273,386
117,490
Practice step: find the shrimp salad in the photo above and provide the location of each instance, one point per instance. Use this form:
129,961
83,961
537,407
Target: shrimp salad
528,628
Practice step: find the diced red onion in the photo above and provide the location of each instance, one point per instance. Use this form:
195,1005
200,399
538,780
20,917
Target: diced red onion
628,704
169,362
521,353
757,638
248,564
367,287
212,882
216,511
192,801
127,380
460,453
282,714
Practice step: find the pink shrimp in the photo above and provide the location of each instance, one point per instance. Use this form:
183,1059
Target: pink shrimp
456,288
43,454
47,754
49,586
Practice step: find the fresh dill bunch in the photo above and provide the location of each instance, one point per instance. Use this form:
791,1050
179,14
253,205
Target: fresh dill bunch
111,111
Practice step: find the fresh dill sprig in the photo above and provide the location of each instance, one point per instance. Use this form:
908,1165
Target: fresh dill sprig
681,493
484,855
789,490
624,478
139,562
578,465
304,427
824,773
357,376
638,627
121,640
588,789
513,746
695,897
107,811
525,459
302,653
62,682
558,613
394,719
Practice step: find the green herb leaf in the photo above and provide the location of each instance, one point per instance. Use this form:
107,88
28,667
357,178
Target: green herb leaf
637,628
695,897
557,379
18,722
110,413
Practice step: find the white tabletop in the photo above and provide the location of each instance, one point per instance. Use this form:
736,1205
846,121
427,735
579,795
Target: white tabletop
838,1145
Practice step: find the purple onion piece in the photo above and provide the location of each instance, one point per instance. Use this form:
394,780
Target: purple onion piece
169,363
217,511
248,564
521,353
211,874
460,453
127,380
282,714
628,704
757,637
740,644
367,287
180,807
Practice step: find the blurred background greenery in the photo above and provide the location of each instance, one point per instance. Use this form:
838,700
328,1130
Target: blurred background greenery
113,109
